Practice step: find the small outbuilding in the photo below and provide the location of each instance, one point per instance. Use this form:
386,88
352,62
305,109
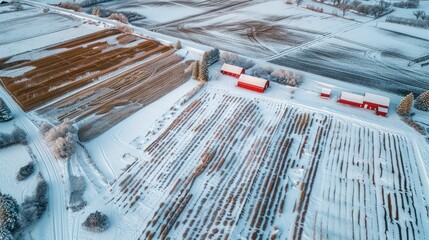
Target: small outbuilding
351,99
253,83
232,70
326,93
382,111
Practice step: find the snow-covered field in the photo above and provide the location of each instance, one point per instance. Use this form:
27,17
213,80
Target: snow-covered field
240,165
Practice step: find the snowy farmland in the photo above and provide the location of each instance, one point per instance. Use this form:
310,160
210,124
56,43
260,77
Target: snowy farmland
241,167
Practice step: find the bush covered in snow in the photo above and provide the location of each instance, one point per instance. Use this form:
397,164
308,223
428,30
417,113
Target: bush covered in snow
71,5
25,171
409,21
60,138
233,59
119,17
281,76
407,4
35,206
77,188
422,101
96,222
9,212
5,114
18,136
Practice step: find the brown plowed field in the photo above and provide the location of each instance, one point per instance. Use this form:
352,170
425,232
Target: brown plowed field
55,75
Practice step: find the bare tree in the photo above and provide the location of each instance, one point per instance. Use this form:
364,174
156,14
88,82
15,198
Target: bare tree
298,2
345,7
420,14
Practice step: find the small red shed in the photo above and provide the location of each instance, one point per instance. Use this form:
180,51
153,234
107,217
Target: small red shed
351,99
253,83
232,70
326,93
382,111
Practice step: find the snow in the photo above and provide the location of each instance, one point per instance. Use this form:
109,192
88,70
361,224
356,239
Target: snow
377,99
365,176
253,80
326,91
352,97
231,68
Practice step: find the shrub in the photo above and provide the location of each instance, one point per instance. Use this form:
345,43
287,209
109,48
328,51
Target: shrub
409,21
213,56
5,113
71,5
77,188
233,59
25,171
9,212
286,77
96,222
35,206
18,136
407,4
119,17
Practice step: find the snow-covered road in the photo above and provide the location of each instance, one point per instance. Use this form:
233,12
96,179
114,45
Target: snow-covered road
58,226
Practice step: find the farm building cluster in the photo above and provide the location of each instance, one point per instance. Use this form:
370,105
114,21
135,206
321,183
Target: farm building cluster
245,81
380,104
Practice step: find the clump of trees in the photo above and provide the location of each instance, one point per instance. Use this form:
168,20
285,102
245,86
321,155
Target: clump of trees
25,171
71,5
404,107
118,17
9,214
281,76
422,101
233,59
96,222
35,206
5,113
213,56
314,8
421,23
375,10
407,4
61,138
196,69
18,136
420,14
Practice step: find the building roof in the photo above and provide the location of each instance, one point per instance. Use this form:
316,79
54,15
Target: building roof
260,82
382,109
231,68
352,97
377,99
326,91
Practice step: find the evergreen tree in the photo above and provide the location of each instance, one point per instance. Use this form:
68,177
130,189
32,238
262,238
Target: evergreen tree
404,107
9,212
196,70
5,234
422,101
204,71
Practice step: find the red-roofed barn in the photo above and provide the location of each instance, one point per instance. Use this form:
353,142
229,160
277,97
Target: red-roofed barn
232,70
253,83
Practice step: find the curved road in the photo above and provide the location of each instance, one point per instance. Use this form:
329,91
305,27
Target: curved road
49,169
